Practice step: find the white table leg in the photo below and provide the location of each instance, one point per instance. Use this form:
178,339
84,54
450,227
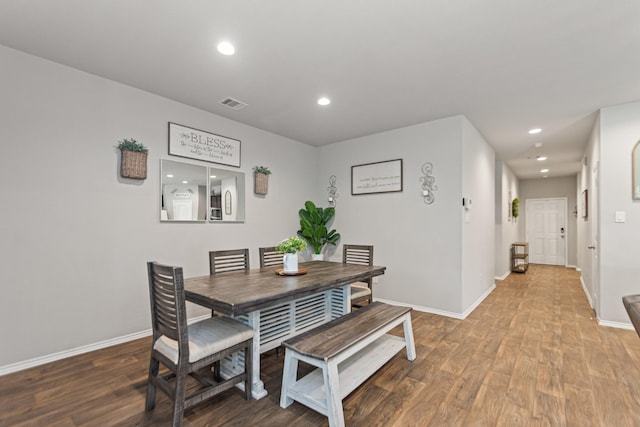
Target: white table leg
257,386
334,401
408,337
289,375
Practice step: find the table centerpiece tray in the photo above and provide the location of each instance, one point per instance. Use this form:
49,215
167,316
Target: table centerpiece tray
300,272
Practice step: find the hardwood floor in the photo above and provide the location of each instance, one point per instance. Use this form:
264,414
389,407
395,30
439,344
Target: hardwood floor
530,355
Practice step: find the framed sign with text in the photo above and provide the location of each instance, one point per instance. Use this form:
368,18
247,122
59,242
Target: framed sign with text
200,145
379,177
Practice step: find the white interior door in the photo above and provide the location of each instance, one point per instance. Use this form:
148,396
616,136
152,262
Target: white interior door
546,230
592,203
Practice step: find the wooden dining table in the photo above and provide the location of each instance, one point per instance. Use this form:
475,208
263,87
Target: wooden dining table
278,306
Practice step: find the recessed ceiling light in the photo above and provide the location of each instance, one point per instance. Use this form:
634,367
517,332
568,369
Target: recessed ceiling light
185,182
535,130
226,48
544,170
324,101
212,176
169,176
541,158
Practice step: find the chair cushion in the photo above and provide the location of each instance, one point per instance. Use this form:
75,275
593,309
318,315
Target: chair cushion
206,337
359,290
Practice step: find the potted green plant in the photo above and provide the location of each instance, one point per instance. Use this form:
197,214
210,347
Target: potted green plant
313,227
290,248
133,163
261,179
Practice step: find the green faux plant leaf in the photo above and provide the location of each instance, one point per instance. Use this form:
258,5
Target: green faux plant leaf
313,221
130,144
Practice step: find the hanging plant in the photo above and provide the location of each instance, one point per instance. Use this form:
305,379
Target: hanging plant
133,162
514,207
261,179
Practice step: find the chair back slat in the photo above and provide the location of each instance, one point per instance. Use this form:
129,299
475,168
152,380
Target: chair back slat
230,260
357,254
269,256
168,308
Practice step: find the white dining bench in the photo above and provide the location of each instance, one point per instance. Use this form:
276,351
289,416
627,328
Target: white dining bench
345,351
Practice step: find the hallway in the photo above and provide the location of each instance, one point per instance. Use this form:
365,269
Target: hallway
529,355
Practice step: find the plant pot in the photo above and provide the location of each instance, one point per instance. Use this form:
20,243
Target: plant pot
317,257
290,263
133,164
261,183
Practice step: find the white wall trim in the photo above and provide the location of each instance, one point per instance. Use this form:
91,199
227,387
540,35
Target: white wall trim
572,266
37,361
503,277
586,292
618,325
423,309
442,312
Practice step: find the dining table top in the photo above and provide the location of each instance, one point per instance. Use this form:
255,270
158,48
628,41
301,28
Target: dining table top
241,292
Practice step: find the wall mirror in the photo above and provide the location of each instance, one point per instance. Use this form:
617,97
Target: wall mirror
635,172
183,191
194,193
226,194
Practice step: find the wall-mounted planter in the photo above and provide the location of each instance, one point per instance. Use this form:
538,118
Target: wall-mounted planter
133,164
261,183
133,159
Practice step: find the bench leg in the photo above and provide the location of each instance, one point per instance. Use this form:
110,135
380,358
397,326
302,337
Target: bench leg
408,336
289,375
334,402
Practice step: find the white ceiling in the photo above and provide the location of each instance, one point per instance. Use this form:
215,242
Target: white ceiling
506,65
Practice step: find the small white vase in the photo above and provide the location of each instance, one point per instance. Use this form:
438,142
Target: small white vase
290,262
317,257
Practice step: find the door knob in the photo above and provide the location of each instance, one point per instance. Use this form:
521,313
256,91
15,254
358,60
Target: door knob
591,247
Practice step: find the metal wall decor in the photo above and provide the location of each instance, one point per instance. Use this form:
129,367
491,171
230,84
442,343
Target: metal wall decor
428,183
333,191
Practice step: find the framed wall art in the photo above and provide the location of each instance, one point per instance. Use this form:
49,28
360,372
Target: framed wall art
378,177
200,145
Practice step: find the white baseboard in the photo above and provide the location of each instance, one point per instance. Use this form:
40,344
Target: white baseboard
618,325
504,276
37,361
459,316
586,292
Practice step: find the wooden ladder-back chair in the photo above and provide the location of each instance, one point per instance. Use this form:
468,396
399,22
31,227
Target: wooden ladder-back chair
362,255
186,349
269,256
229,260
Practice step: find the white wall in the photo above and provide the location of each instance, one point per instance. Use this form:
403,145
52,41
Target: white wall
547,188
74,236
619,247
478,242
420,244
507,230
587,226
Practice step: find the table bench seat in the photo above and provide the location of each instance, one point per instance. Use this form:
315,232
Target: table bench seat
346,351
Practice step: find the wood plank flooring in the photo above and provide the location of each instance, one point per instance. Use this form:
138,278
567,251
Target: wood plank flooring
530,355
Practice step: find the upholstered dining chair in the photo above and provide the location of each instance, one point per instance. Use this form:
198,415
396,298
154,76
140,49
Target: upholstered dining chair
362,255
229,260
632,305
269,256
186,349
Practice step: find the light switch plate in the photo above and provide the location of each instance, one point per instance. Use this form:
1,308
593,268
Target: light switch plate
621,216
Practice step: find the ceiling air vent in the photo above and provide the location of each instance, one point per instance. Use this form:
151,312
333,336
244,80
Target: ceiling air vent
234,104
